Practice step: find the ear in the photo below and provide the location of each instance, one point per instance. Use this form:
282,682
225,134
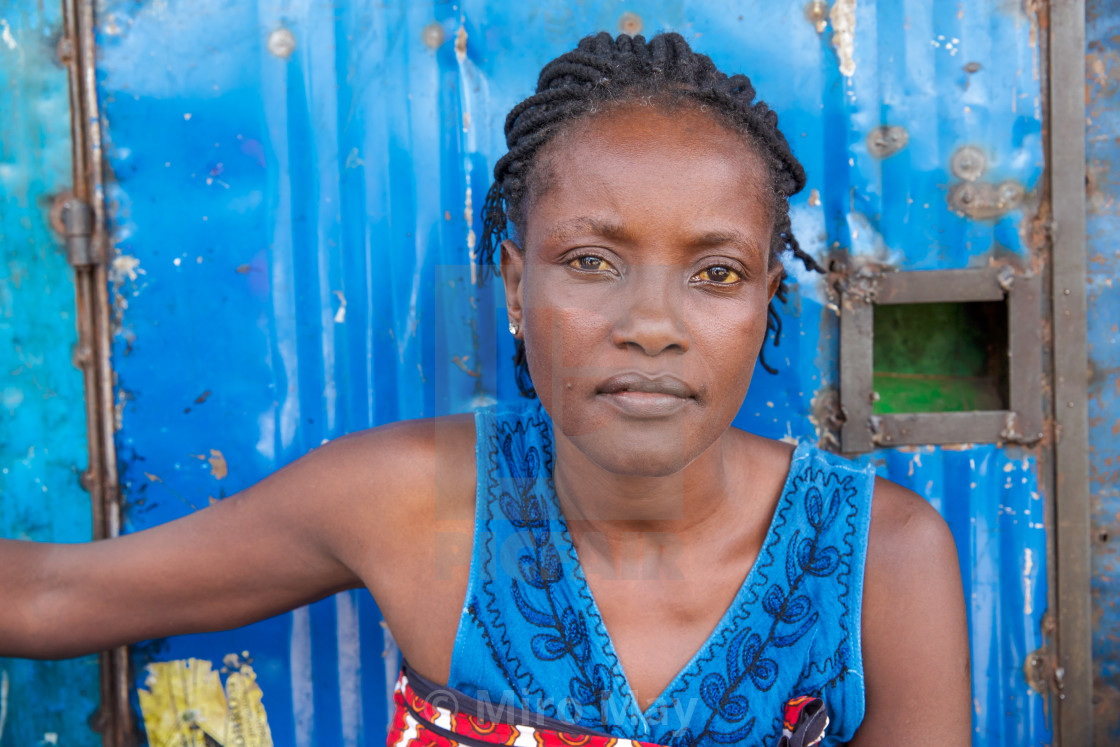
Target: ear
513,270
774,278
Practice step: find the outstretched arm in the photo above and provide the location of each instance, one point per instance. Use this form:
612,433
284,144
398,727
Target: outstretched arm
915,634
313,528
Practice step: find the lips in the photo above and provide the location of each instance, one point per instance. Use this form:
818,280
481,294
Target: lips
643,396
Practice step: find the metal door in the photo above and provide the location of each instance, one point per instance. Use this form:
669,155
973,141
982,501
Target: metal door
292,192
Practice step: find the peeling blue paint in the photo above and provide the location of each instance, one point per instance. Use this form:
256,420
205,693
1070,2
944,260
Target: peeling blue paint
1102,144
296,232
42,416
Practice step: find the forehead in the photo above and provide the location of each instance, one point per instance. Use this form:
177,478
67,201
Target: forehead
640,161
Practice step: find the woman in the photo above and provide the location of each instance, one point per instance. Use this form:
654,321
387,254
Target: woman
630,564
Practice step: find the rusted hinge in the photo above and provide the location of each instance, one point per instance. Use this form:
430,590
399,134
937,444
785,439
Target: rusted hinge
1043,673
77,221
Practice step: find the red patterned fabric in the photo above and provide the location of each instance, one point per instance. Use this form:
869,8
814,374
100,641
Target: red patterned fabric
420,722
444,718
804,720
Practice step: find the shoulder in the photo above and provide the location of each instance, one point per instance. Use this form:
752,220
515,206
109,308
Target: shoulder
915,635
403,467
908,539
370,494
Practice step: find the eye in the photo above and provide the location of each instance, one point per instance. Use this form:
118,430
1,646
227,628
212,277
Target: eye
718,275
590,263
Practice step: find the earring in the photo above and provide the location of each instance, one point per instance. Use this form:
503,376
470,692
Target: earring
514,328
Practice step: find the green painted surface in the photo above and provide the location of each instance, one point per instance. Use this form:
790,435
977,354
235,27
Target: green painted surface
42,416
940,357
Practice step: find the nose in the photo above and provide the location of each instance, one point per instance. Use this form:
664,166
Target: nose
650,314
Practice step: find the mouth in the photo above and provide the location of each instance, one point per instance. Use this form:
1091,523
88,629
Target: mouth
642,396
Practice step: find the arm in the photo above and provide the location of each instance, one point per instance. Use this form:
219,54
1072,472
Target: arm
915,634
305,532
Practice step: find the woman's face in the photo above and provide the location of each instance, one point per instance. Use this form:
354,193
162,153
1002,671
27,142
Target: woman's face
642,284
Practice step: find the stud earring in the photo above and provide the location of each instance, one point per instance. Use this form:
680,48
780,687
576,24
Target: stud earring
514,328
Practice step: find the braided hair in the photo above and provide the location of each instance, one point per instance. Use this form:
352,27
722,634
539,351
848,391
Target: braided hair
604,72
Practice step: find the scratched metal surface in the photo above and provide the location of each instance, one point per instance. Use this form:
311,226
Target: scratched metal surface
291,226
1103,226
42,421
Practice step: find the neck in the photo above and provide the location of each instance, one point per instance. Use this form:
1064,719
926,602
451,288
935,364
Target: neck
615,508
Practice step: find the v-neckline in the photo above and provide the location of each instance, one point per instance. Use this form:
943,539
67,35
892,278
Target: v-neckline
567,547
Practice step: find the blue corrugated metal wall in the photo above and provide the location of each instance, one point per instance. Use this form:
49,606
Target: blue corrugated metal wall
1103,153
292,224
42,418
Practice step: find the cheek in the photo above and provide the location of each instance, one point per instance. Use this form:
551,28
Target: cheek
563,344
727,339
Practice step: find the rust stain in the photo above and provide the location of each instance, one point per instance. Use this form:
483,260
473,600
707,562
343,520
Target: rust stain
218,467
1106,713
461,362
461,42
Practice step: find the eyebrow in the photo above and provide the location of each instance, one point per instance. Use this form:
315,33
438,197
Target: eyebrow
587,224
614,230
721,238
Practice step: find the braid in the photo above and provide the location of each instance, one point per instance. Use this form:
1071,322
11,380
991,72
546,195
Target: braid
604,71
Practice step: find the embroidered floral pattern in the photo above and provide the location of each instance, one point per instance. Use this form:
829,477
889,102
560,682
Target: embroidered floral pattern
563,629
752,655
531,623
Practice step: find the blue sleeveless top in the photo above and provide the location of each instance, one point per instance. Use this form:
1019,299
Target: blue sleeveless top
531,634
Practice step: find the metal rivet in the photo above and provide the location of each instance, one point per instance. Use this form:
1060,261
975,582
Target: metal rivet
885,141
1069,404
1065,292
281,43
433,35
968,163
630,23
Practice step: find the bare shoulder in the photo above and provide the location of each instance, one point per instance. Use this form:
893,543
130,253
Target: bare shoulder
403,465
395,482
907,535
915,636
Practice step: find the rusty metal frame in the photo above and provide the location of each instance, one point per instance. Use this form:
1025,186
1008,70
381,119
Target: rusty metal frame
77,50
1022,423
1065,115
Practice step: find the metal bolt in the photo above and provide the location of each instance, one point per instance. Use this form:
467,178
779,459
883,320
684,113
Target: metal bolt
630,23
968,163
65,50
433,35
281,43
81,356
54,215
1010,193
1065,292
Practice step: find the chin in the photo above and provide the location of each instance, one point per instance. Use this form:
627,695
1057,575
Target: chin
652,453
